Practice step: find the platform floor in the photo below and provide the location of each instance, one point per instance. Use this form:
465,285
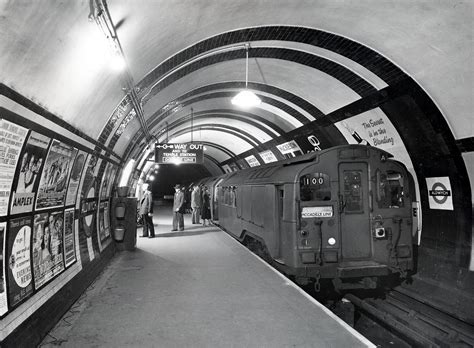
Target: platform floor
196,288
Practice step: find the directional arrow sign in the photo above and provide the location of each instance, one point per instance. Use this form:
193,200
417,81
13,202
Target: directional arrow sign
179,153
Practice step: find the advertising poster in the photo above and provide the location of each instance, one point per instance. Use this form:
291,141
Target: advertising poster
290,147
75,178
28,173
268,156
106,181
252,161
113,173
106,219
53,184
12,138
18,252
103,223
47,247
69,238
3,286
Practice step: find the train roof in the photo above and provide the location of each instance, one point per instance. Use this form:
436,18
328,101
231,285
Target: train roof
284,171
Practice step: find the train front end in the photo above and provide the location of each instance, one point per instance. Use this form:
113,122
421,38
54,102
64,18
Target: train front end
355,223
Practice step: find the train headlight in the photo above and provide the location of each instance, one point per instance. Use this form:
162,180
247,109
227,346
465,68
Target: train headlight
379,232
331,241
303,233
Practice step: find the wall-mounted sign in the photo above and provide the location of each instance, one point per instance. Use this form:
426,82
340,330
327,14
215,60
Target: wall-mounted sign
179,153
252,161
289,147
440,195
268,156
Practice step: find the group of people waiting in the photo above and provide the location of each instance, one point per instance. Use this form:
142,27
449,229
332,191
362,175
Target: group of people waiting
200,204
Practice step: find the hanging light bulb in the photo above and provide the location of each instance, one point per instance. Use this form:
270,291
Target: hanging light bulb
246,98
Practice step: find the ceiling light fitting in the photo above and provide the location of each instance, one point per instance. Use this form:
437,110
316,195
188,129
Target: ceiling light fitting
246,98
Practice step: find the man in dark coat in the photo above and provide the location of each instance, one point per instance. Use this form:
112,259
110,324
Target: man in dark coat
146,210
178,209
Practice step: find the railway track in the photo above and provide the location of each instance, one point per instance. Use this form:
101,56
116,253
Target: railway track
416,323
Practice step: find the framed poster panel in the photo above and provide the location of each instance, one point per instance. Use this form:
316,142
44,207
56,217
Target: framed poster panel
28,173
12,138
75,177
19,262
69,238
47,252
54,179
3,285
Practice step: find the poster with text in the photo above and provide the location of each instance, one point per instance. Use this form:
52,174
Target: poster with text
28,173
75,178
113,173
69,237
47,247
101,223
18,253
12,138
54,179
3,285
106,181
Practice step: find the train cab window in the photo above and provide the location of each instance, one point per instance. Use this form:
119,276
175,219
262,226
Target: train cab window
353,191
315,187
390,193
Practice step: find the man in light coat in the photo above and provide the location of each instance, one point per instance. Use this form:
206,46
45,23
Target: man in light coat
196,204
178,209
146,210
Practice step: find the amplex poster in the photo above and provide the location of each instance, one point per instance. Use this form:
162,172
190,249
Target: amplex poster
75,177
12,138
3,285
54,179
69,239
28,173
47,247
18,253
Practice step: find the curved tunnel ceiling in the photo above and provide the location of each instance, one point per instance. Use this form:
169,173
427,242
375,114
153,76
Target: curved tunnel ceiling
313,65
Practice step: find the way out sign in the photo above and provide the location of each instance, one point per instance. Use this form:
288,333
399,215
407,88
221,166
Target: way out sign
440,195
179,153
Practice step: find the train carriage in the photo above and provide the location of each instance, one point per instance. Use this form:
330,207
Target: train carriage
343,214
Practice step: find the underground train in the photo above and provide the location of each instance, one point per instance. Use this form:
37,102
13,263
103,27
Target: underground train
342,215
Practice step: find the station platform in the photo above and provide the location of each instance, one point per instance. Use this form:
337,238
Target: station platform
196,288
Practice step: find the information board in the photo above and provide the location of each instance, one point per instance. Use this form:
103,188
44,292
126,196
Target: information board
179,153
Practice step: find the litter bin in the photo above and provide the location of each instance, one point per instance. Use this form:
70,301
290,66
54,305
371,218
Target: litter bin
124,222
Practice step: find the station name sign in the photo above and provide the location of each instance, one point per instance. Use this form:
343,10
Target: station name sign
179,153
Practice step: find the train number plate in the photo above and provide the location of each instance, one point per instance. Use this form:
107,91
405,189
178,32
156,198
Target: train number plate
316,212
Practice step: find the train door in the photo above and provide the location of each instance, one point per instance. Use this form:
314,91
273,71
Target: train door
280,194
354,211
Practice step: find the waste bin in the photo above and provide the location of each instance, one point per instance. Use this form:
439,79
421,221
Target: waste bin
124,222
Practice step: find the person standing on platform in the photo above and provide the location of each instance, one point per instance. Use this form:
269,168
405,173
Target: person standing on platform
206,207
178,209
196,204
146,211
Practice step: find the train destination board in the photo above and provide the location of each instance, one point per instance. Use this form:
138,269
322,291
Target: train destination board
179,153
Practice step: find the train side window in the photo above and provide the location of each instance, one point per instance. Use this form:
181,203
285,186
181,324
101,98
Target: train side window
390,190
353,191
315,187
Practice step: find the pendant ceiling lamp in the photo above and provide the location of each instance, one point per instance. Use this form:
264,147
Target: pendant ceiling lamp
246,98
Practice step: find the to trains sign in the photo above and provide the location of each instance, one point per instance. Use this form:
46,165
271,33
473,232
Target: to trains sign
439,193
179,153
